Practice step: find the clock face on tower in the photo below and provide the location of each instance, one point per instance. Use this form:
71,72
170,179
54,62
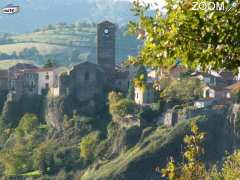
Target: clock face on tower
106,44
106,31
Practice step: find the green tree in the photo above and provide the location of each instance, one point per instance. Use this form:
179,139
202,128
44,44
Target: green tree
88,146
192,167
49,63
231,166
42,156
185,89
119,106
17,157
28,123
209,39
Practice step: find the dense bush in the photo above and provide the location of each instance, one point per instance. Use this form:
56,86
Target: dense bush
17,157
184,90
88,146
119,106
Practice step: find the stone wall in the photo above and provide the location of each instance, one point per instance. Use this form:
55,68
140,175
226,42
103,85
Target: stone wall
173,116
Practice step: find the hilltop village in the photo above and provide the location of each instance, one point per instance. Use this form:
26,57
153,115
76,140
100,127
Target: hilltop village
98,119
87,80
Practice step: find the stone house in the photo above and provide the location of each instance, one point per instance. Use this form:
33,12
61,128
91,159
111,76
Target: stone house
144,96
176,71
237,77
48,80
218,92
170,118
20,67
121,80
21,79
129,121
202,103
213,78
85,81
228,77
24,83
234,88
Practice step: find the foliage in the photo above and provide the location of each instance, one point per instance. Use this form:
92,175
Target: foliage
17,158
88,146
236,97
231,166
43,155
14,110
49,63
209,39
148,114
192,168
140,77
185,89
119,106
28,123
67,158
131,89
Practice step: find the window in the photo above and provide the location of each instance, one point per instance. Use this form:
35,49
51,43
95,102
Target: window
86,76
47,76
46,86
32,86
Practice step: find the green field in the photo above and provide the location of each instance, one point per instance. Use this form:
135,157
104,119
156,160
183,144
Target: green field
43,48
65,45
65,36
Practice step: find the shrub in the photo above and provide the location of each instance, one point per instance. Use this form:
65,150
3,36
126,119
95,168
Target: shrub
185,89
119,106
88,146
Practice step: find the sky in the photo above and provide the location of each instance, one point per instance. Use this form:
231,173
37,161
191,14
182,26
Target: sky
37,13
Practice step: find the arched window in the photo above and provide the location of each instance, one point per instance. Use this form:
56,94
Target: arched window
86,76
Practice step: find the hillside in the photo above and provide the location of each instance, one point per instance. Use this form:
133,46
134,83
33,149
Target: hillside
38,13
156,145
66,43
43,48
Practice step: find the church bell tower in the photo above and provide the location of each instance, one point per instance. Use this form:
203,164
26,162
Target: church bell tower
106,36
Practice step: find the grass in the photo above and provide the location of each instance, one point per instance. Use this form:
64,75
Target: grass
69,36
61,37
116,166
63,41
150,146
32,174
43,48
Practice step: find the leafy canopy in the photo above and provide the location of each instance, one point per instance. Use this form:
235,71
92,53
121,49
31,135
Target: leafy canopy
184,89
209,39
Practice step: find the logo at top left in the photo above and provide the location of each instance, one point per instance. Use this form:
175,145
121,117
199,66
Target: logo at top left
10,9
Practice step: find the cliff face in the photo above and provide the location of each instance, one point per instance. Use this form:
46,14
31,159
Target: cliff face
234,123
174,115
57,108
156,145
13,109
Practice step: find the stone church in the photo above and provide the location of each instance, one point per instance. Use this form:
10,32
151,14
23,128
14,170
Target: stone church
86,79
82,81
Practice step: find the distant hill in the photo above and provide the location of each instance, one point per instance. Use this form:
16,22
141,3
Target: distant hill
38,13
43,48
68,42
